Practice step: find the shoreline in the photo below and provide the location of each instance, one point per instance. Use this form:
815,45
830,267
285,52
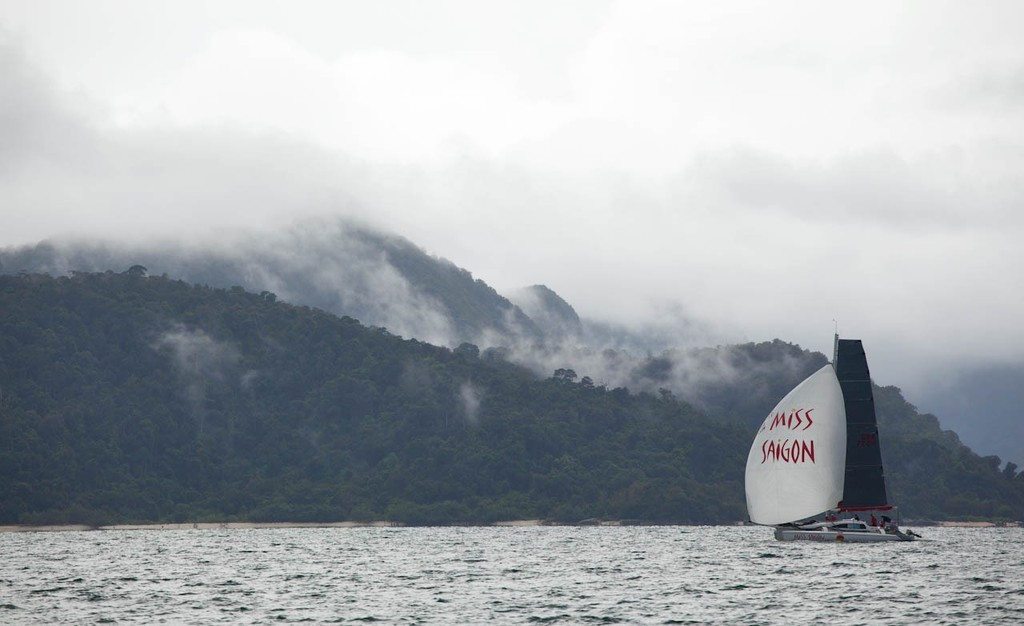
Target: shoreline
21,528
16,528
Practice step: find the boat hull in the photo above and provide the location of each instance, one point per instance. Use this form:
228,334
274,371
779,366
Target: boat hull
839,536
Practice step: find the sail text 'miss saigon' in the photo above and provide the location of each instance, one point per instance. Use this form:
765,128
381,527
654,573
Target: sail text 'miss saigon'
790,449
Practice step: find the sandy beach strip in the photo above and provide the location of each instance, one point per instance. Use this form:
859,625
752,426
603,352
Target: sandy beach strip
196,526
228,526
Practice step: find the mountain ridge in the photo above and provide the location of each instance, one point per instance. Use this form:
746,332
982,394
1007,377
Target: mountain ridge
129,398
387,281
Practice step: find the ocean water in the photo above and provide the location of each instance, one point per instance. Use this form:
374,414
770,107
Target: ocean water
546,575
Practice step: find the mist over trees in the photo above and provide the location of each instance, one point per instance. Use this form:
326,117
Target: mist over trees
134,397
335,265
385,281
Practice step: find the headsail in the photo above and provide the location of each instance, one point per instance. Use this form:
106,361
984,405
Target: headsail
865,480
796,466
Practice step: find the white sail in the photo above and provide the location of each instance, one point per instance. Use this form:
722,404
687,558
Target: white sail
796,464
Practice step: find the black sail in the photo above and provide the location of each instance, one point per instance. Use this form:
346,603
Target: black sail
864,486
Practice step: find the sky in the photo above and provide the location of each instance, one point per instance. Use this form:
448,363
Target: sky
774,169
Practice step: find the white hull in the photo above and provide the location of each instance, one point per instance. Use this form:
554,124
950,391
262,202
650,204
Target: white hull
785,533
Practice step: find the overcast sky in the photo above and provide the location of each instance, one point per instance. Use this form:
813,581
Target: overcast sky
768,167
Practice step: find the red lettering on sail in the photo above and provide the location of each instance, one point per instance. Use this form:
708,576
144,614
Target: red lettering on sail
796,419
788,451
807,450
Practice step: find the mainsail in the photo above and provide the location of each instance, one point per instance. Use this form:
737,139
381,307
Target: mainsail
795,468
865,482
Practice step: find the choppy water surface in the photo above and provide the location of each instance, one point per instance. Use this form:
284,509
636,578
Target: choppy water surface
635,575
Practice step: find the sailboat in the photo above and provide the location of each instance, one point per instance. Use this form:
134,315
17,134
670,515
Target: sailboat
814,470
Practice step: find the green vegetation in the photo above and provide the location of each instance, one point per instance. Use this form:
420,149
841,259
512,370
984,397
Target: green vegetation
932,472
127,398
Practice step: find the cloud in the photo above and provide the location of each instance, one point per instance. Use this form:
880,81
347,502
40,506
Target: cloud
199,360
996,92
349,267
876,189
70,171
380,104
40,126
470,397
196,354
769,167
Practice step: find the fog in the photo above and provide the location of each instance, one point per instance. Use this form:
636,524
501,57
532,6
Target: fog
761,170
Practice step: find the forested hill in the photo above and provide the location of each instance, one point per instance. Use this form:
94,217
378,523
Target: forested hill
125,398
139,398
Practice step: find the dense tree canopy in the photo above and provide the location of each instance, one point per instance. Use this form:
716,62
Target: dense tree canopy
127,397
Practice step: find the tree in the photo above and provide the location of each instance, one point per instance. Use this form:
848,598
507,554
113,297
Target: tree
468,350
565,375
